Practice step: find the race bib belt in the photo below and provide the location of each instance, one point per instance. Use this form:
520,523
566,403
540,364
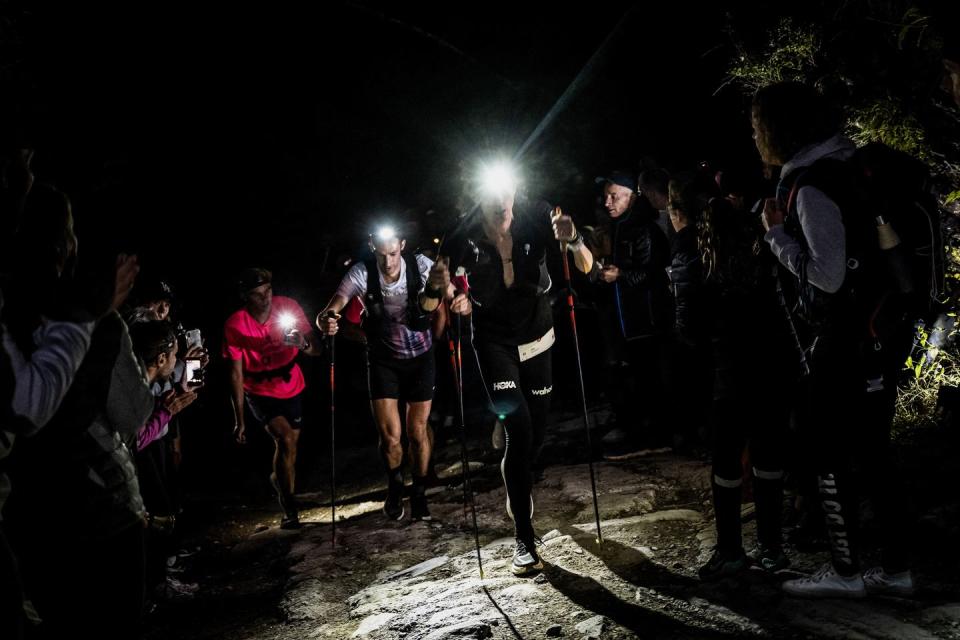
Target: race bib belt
538,346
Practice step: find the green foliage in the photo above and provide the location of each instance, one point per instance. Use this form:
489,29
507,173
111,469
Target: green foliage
915,26
790,54
885,120
931,367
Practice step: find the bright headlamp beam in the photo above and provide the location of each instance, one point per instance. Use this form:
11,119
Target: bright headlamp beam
498,179
385,233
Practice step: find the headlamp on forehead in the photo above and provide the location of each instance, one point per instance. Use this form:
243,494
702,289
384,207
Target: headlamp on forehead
498,179
385,233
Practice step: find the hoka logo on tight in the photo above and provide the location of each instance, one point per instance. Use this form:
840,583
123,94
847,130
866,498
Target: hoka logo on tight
506,384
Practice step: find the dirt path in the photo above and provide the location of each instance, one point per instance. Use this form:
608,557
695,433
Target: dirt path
421,581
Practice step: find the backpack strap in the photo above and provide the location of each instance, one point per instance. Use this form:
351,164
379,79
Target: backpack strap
374,294
417,319
414,284
813,306
792,195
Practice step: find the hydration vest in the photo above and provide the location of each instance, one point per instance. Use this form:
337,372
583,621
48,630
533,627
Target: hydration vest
417,319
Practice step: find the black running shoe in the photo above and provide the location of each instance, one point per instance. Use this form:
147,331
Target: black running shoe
393,507
722,564
770,559
419,509
290,520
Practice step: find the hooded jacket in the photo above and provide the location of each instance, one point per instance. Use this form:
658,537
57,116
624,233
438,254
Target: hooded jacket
823,246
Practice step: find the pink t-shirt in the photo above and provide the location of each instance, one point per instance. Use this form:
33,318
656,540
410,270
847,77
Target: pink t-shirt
261,347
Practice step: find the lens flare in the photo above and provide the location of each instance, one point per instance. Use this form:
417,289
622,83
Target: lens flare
498,179
386,233
287,321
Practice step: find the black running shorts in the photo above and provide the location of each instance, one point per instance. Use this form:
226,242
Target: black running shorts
410,379
265,408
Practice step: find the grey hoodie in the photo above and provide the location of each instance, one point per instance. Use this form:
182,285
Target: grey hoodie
820,220
41,380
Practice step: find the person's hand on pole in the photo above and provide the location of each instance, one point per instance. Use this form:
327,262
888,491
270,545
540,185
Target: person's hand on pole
571,239
327,322
438,287
563,228
438,281
461,305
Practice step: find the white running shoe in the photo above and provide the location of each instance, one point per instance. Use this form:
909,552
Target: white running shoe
526,560
879,582
826,583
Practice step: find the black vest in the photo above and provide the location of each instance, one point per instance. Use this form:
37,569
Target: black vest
417,319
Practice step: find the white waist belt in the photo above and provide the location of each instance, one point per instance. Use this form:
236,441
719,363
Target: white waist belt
538,346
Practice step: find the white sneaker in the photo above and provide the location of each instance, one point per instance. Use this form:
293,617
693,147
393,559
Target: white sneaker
826,583
879,582
526,560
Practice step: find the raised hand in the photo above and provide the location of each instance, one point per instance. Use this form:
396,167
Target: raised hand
563,228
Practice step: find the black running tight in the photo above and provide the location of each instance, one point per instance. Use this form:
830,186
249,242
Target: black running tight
519,394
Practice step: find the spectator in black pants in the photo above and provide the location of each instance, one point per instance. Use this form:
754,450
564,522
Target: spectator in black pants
725,296
634,310
795,128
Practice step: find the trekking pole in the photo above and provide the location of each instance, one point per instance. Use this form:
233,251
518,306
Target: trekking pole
333,457
583,393
788,315
451,347
456,358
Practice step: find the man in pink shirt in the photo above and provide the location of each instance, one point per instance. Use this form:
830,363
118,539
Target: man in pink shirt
262,341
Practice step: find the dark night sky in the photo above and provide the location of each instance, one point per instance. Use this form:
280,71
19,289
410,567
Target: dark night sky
253,136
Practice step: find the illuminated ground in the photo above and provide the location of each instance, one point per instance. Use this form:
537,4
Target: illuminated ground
402,580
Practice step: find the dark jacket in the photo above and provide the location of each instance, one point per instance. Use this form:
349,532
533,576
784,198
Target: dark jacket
743,312
82,457
640,298
686,281
521,313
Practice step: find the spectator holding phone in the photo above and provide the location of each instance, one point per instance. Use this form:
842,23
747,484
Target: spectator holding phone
155,302
155,343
